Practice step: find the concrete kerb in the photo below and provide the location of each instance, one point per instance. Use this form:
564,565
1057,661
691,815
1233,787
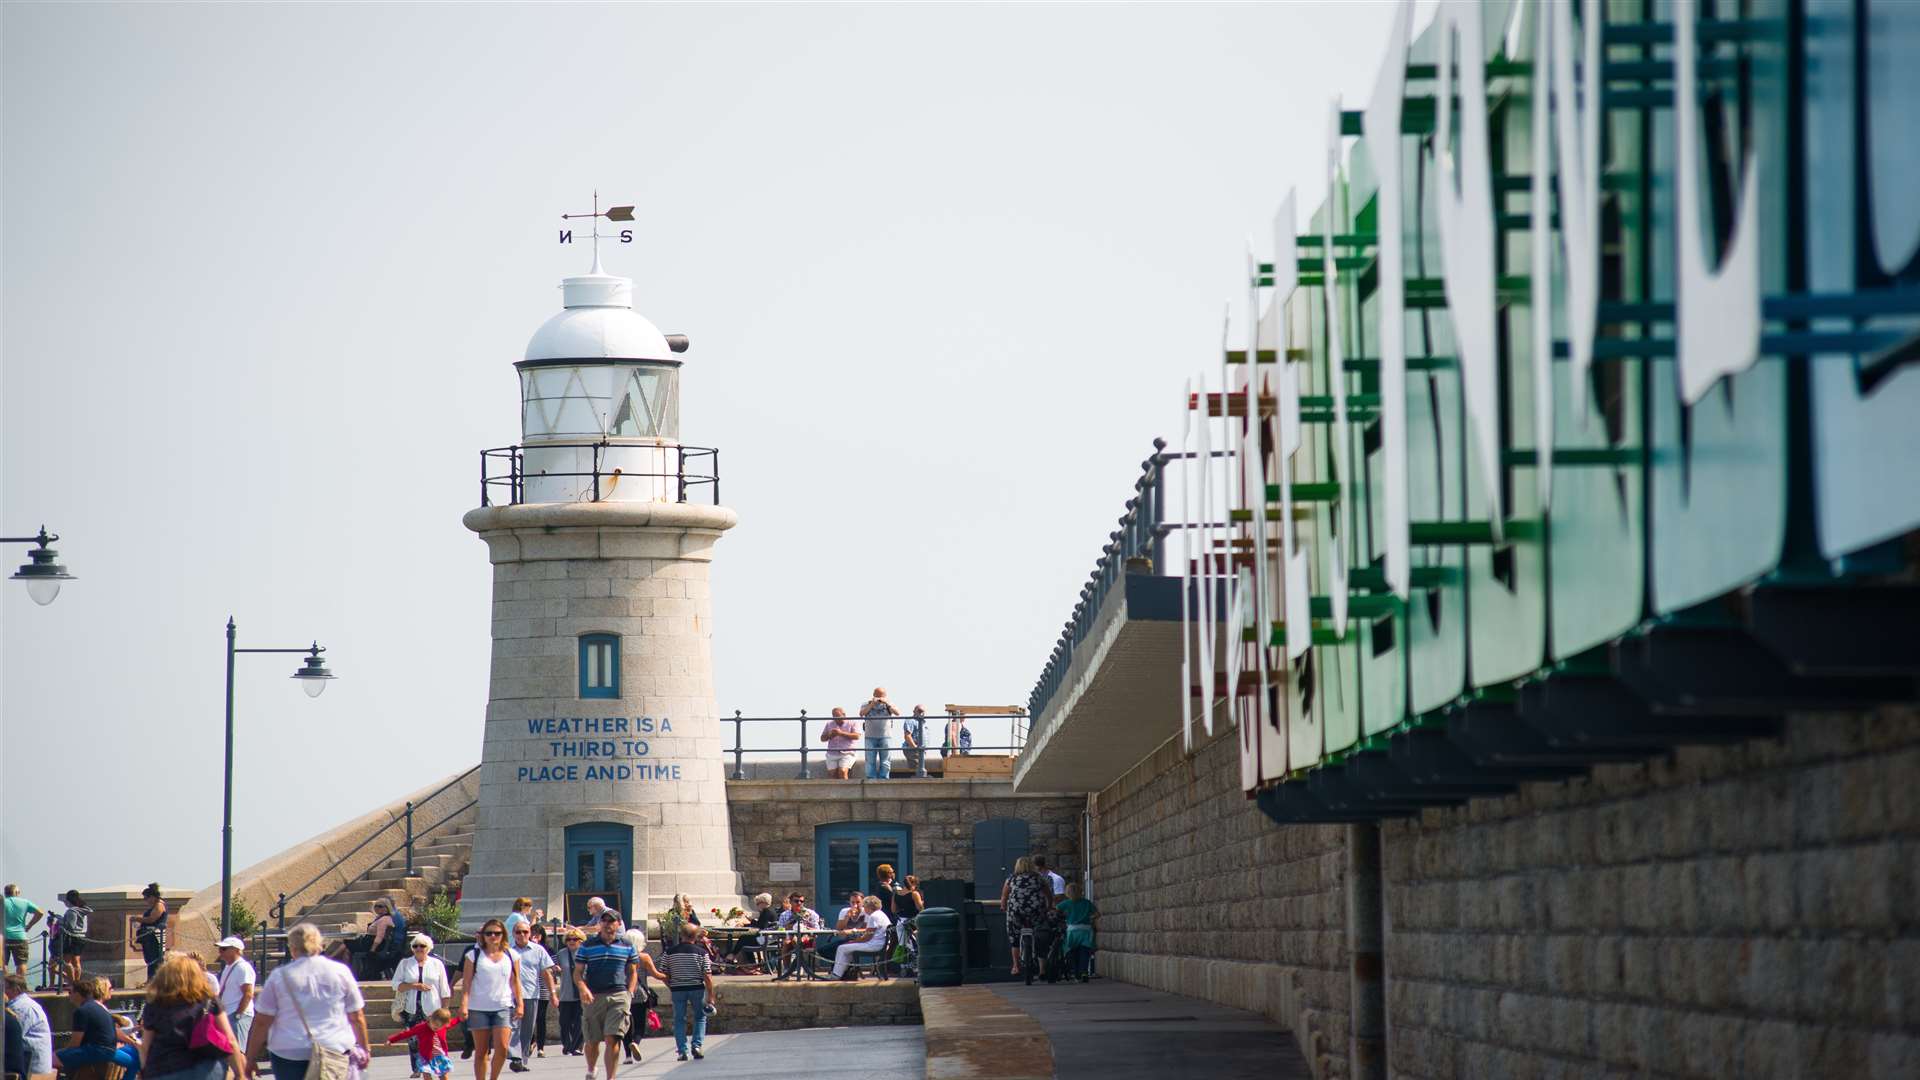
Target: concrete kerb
973,1033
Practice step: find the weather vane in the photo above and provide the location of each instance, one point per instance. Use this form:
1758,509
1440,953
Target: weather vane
611,213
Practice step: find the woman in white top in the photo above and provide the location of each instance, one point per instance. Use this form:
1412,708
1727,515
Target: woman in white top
420,985
307,1001
490,999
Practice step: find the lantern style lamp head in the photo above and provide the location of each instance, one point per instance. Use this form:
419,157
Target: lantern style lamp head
41,572
313,674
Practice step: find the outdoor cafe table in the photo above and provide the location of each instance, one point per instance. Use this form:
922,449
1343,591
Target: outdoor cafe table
730,934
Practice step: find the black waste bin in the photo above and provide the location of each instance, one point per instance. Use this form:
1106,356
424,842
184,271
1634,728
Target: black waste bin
940,959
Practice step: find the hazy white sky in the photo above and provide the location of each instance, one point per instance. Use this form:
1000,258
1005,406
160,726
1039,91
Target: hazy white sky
264,271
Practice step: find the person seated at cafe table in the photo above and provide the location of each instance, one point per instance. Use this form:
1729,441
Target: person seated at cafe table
871,937
851,918
767,919
797,916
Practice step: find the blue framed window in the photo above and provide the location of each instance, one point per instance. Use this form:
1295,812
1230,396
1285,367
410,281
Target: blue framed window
846,855
599,665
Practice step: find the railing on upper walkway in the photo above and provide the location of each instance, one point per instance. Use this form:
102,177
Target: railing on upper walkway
503,472
938,727
403,822
1142,534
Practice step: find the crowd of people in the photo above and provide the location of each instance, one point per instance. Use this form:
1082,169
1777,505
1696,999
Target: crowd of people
496,999
1048,911
872,737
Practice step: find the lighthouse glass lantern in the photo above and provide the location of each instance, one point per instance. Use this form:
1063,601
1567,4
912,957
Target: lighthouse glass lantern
599,401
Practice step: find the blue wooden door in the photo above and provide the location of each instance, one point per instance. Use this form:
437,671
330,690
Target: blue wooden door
997,843
599,863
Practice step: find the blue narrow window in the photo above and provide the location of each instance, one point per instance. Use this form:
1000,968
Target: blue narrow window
599,665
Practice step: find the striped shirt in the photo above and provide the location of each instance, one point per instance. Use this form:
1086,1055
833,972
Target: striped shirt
687,966
606,964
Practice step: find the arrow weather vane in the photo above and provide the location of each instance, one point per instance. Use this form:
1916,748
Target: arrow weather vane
611,213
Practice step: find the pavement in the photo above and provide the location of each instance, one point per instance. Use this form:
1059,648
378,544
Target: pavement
897,1051
1109,1030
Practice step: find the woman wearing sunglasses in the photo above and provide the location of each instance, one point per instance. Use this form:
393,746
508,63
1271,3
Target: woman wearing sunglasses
490,999
419,987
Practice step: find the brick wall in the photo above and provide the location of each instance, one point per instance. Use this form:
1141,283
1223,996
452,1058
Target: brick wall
1739,911
774,821
1201,894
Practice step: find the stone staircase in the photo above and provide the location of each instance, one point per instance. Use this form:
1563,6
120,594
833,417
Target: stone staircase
440,861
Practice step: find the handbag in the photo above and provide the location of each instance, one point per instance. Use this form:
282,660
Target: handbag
653,1020
325,1064
208,1035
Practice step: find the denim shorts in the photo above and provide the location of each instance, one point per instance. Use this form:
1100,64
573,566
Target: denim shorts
482,1019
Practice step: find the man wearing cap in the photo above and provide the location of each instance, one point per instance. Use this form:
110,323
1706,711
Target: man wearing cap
236,987
606,971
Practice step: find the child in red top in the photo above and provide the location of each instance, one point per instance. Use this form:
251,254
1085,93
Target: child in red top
429,1042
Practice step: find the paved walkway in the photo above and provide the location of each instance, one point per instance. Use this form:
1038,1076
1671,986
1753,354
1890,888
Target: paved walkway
1109,1030
786,1055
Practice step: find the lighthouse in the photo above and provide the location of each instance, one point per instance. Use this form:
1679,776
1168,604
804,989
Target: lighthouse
601,771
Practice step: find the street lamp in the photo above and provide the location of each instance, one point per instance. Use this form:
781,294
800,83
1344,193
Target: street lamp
313,676
42,575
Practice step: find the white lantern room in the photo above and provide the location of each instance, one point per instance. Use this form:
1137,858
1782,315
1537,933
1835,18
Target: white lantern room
600,400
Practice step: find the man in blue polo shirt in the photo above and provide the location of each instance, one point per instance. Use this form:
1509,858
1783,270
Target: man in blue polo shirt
606,970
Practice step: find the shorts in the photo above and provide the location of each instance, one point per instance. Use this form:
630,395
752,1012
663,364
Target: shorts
72,944
607,1016
840,759
482,1019
17,950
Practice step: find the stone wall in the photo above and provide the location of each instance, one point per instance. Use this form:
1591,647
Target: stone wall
1733,911
774,821
1201,894
761,1005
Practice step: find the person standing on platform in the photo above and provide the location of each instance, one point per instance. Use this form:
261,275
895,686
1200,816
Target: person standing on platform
840,735
73,933
690,981
958,739
36,1033
913,740
20,916
152,932
236,987
568,995
877,715
522,909
534,966
420,982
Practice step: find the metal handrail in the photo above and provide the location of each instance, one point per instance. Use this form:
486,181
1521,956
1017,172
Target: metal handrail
280,908
514,476
1142,532
407,845
805,748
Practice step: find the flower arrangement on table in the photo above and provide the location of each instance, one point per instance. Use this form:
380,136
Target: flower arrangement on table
733,917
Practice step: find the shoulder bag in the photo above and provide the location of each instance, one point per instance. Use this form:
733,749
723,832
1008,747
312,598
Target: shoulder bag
208,1036
398,1009
325,1064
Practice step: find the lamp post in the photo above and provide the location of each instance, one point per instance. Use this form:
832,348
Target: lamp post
313,676
42,575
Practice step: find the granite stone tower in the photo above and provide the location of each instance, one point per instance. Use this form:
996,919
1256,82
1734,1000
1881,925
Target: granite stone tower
601,770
